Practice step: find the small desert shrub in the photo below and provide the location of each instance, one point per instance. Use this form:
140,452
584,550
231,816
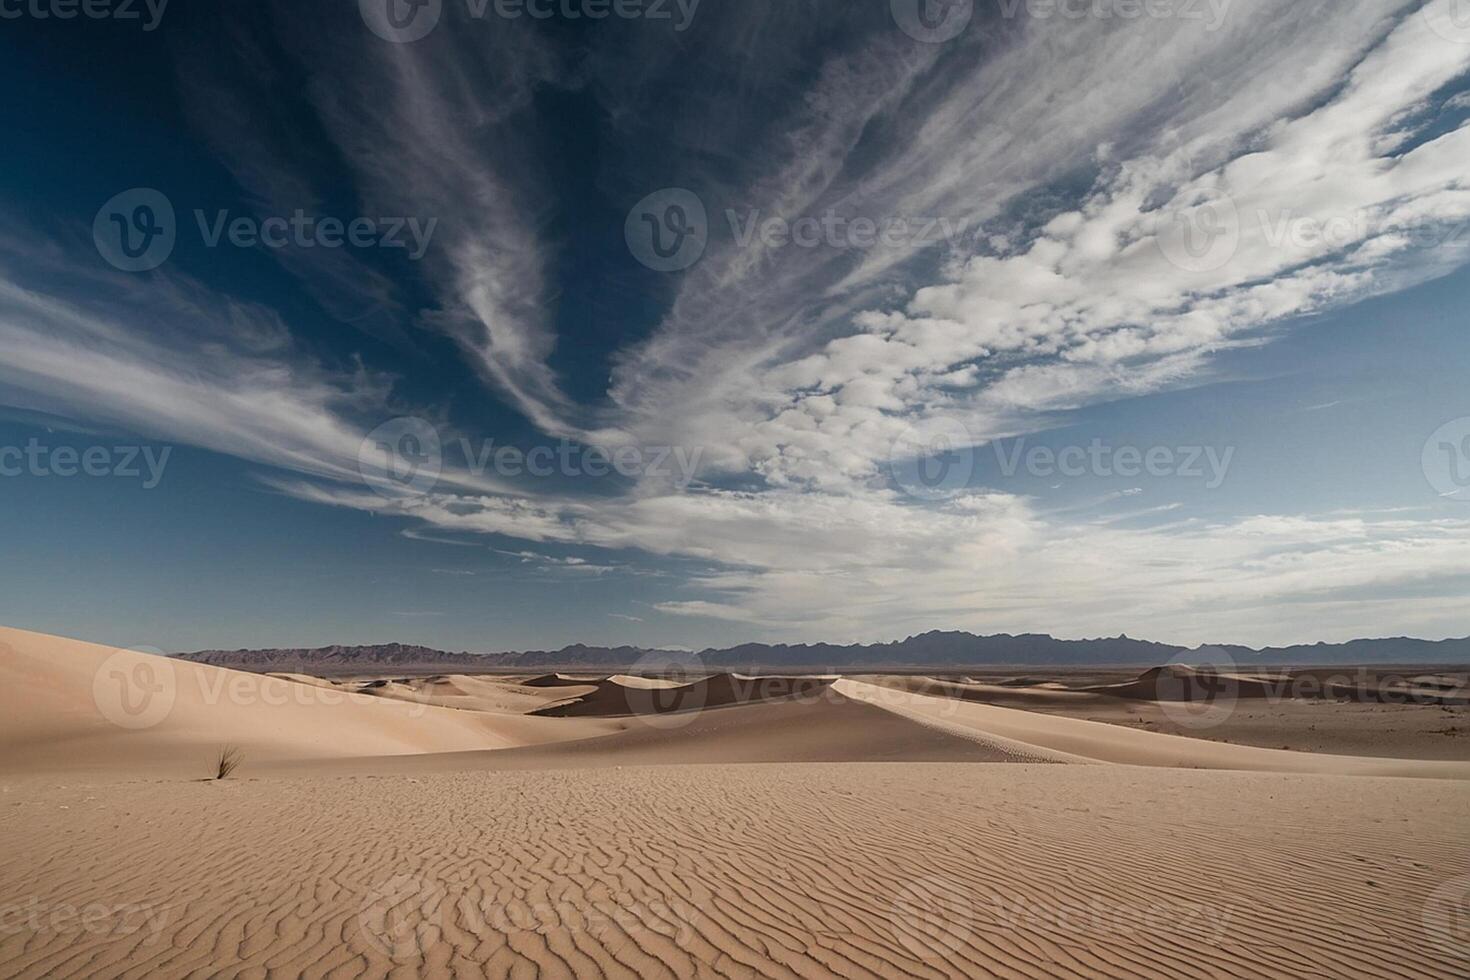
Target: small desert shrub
229,759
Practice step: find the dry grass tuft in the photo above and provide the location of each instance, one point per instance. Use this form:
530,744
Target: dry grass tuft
229,759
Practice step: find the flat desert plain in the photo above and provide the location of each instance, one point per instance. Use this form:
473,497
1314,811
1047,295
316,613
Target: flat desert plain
731,826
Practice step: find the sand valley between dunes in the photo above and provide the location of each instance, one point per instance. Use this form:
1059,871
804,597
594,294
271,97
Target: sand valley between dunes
729,826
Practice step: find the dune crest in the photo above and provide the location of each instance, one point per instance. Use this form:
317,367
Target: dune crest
69,705
1077,740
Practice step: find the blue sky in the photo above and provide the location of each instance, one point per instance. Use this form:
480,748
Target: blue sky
1078,320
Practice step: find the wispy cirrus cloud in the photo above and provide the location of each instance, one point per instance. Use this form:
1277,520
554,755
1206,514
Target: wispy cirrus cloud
1067,305
168,358
440,129
1073,181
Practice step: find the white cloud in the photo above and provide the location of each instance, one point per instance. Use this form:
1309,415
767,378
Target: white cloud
168,359
796,370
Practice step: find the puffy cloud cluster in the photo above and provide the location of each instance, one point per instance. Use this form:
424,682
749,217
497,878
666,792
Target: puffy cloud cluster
1304,155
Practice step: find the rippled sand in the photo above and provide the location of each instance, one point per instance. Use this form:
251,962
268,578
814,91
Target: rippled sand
452,828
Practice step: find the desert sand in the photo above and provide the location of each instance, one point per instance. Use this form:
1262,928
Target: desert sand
731,826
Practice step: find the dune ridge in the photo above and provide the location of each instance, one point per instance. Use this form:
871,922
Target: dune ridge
66,705
791,827
614,697
57,697
1078,740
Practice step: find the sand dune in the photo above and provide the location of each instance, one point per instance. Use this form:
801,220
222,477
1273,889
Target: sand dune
613,698
647,683
72,705
1076,740
1021,696
478,694
67,705
1177,682
556,680
831,729
736,826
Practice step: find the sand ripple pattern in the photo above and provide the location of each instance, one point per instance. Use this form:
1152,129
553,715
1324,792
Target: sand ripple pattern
855,870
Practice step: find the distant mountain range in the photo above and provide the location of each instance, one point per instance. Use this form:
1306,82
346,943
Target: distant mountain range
933,649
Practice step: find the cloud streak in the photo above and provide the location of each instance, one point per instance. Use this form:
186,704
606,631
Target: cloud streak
1113,230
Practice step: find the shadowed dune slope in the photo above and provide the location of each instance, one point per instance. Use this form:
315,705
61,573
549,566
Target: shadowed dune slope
478,693
832,729
1030,695
1177,682
1079,741
555,680
614,697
